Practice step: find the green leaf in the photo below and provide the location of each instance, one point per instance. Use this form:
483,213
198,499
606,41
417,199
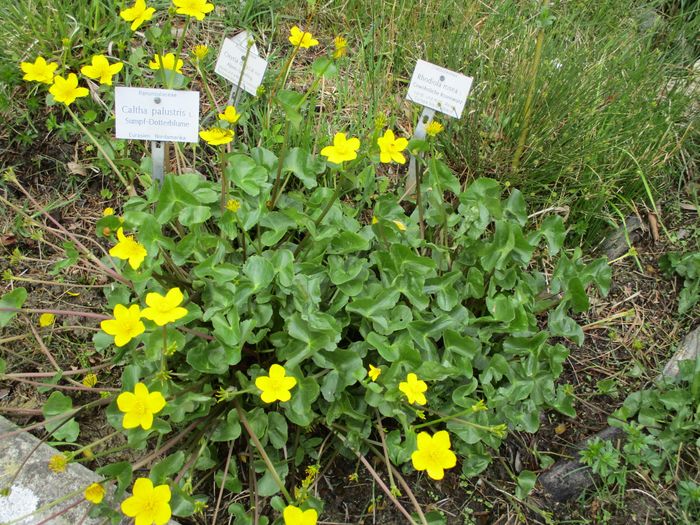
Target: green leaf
260,272
228,429
246,174
13,299
192,215
304,166
554,231
55,405
526,482
165,468
324,67
291,101
121,472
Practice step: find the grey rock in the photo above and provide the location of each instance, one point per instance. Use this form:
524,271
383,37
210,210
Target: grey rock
567,479
34,485
689,349
615,244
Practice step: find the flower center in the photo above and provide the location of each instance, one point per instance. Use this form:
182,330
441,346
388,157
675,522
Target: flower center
139,407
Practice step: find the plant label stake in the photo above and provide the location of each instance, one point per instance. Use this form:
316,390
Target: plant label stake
436,89
240,63
158,115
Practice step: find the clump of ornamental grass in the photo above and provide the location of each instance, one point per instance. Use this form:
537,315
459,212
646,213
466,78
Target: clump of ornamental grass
287,304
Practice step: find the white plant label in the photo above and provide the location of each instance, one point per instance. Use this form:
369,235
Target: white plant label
230,62
165,115
438,88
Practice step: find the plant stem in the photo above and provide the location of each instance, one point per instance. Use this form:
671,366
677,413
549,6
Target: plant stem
276,190
515,164
379,480
224,181
261,450
320,218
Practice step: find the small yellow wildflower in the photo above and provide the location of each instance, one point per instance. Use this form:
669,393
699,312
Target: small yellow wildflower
342,149
101,69
94,493
66,90
302,39
375,220
341,47
276,386
433,454
128,249
126,324
168,61
107,212
391,147
374,372
58,463
400,225
139,406
414,389
200,51
295,516
434,128
46,320
164,309
230,115
149,505
39,71
137,14
194,8
90,380
217,136
233,205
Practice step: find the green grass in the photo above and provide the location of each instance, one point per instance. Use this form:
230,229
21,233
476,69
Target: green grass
611,106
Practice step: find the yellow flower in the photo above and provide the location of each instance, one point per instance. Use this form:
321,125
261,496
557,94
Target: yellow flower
433,454
391,147
374,372
375,220
137,14
299,38
107,212
200,51
139,406
341,47
276,386
101,69
126,324
400,225
195,8
169,62
94,493
295,516
230,115
434,128
90,380
233,205
164,309
39,71
128,249
342,149
217,136
414,389
58,463
149,505
46,320
66,90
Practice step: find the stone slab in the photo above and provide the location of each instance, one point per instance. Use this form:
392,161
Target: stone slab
36,486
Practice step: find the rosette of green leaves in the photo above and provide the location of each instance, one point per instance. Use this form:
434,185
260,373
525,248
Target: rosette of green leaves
479,309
